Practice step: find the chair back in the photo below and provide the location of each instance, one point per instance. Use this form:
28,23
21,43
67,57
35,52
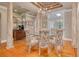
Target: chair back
59,33
44,38
59,40
53,31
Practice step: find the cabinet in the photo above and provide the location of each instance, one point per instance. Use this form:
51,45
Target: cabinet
18,34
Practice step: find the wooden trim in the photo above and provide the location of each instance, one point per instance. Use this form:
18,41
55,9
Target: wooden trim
49,6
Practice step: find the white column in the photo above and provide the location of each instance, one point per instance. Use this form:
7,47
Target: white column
38,22
77,30
74,20
0,29
10,26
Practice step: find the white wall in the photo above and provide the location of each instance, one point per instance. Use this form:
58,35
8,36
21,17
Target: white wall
68,24
67,18
3,28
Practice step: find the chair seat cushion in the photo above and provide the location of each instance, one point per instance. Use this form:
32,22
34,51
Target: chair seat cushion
43,43
34,41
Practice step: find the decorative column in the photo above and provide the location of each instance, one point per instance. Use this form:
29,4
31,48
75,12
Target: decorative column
10,25
44,21
74,28
0,29
38,22
77,26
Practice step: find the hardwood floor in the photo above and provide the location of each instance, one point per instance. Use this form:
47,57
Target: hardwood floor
21,50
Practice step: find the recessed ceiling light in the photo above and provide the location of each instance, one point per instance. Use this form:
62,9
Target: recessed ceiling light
58,14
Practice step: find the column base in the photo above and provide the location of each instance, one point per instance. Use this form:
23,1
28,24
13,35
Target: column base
9,47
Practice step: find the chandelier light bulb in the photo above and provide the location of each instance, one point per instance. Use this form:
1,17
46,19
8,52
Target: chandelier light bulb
46,8
40,9
58,14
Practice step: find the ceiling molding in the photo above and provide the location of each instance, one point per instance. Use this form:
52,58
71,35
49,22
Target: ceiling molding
47,5
19,10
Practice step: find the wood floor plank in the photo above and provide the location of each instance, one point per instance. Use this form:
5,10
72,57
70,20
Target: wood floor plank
21,50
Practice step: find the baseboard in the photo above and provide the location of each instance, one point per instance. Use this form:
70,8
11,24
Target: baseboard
67,39
3,41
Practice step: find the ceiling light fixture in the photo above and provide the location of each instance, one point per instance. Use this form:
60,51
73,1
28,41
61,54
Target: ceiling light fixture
58,14
15,10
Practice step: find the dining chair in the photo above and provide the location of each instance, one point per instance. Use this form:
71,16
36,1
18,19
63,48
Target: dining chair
53,37
31,40
34,41
53,31
59,41
52,41
44,41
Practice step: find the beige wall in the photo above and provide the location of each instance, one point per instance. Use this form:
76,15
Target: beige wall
3,25
68,24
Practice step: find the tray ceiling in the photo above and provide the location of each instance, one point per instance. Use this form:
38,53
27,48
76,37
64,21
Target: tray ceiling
47,5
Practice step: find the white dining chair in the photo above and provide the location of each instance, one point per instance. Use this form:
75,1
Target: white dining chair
53,37
34,40
52,41
59,42
44,41
31,40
